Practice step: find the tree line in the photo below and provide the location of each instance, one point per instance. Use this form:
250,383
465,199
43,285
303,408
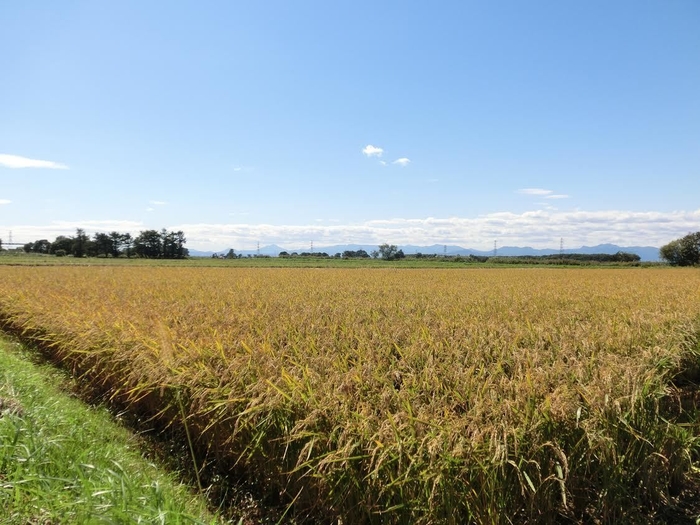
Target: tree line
388,252
151,244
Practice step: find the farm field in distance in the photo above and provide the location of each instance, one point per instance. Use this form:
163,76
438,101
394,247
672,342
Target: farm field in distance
380,395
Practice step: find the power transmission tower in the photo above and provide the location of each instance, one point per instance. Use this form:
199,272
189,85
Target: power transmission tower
495,248
561,247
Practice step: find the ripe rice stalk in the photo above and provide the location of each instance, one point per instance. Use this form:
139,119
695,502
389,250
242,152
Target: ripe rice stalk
383,396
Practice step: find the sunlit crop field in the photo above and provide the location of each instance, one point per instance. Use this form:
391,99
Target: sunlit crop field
397,396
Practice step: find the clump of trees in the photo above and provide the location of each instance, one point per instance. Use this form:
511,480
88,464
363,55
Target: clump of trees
682,252
568,258
355,254
150,244
389,252
317,255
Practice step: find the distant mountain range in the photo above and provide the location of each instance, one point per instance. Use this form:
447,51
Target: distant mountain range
646,253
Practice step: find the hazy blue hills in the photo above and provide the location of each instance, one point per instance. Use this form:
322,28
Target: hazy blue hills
646,253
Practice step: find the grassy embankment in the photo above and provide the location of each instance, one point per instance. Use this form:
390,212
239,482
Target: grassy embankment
64,462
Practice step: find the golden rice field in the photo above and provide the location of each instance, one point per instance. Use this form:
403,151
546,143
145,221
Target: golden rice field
397,396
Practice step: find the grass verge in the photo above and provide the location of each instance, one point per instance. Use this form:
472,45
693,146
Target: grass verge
64,462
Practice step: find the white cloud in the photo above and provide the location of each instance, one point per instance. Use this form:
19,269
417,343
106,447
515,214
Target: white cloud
403,161
539,229
372,151
158,203
4,201
382,162
557,196
150,209
534,191
26,233
15,161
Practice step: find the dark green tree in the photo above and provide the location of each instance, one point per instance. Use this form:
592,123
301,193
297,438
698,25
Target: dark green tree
390,252
62,243
121,242
173,244
180,241
80,243
626,257
104,245
682,252
126,243
41,246
148,244
168,244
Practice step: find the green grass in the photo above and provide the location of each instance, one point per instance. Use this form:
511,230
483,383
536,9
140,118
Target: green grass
64,462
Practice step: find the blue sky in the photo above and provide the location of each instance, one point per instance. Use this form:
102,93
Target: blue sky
352,122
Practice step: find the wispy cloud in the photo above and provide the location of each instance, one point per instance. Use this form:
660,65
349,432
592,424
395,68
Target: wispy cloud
4,201
534,191
403,161
382,162
372,151
557,196
15,161
149,209
158,203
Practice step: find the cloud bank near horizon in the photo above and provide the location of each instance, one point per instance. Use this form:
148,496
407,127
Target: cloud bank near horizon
537,229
